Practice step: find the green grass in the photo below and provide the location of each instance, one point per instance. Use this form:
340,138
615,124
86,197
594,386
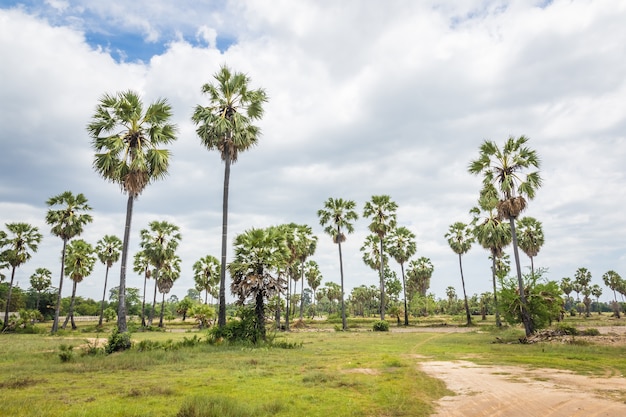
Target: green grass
354,373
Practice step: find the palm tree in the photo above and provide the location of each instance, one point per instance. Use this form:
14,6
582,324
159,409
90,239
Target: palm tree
418,275
582,278
259,255
206,274
401,246
530,238
17,247
40,281
159,245
226,125
460,239
613,280
306,244
80,263
108,250
141,265
337,216
313,278
67,214
373,257
596,291
502,171
168,273
127,142
383,213
493,235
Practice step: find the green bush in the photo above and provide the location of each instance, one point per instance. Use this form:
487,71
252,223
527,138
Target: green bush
590,332
118,342
242,329
381,326
66,353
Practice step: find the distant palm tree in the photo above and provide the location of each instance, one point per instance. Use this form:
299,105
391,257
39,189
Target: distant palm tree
582,278
259,255
419,273
168,273
108,250
313,278
80,263
460,239
17,247
159,244
401,246
226,125
502,171
596,291
382,210
530,238
307,243
67,214
336,216
127,142
373,257
141,265
40,281
206,274
613,280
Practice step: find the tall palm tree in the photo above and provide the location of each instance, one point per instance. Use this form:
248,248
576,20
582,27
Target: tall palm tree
307,243
80,263
108,250
159,245
313,278
226,125
401,246
530,238
141,265
127,141
582,277
169,272
40,281
460,239
336,216
68,215
206,274
419,273
567,287
503,169
17,247
613,280
259,256
493,235
383,214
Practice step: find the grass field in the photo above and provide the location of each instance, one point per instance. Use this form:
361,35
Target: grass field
328,373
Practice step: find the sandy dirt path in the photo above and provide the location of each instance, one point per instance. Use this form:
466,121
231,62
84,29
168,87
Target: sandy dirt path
519,392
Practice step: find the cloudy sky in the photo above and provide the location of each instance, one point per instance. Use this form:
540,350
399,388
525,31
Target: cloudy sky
365,98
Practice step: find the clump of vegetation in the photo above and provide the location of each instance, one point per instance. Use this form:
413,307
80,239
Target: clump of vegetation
201,406
241,329
66,353
381,326
24,322
118,342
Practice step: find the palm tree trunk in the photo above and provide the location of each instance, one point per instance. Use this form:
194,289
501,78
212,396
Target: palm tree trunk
382,281
221,319
143,301
495,292
8,306
302,292
259,308
57,311
406,311
70,313
287,299
38,298
528,326
532,266
162,307
344,324
153,310
467,311
121,308
104,293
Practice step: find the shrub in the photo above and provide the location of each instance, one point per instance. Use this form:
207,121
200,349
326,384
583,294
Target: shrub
590,332
381,326
118,342
66,353
238,330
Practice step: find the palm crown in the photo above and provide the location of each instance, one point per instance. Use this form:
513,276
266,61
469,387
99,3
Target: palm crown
337,215
69,220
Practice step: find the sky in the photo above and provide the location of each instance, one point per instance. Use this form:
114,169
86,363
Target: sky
365,98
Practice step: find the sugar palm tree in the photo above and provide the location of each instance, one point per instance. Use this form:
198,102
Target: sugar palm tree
530,238
307,243
401,246
382,211
159,244
128,143
503,170
80,263
596,291
313,278
17,246
493,235
67,215
168,273
226,125
582,278
613,280
206,274
336,217
259,256
40,281
108,250
460,239
419,273
141,265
